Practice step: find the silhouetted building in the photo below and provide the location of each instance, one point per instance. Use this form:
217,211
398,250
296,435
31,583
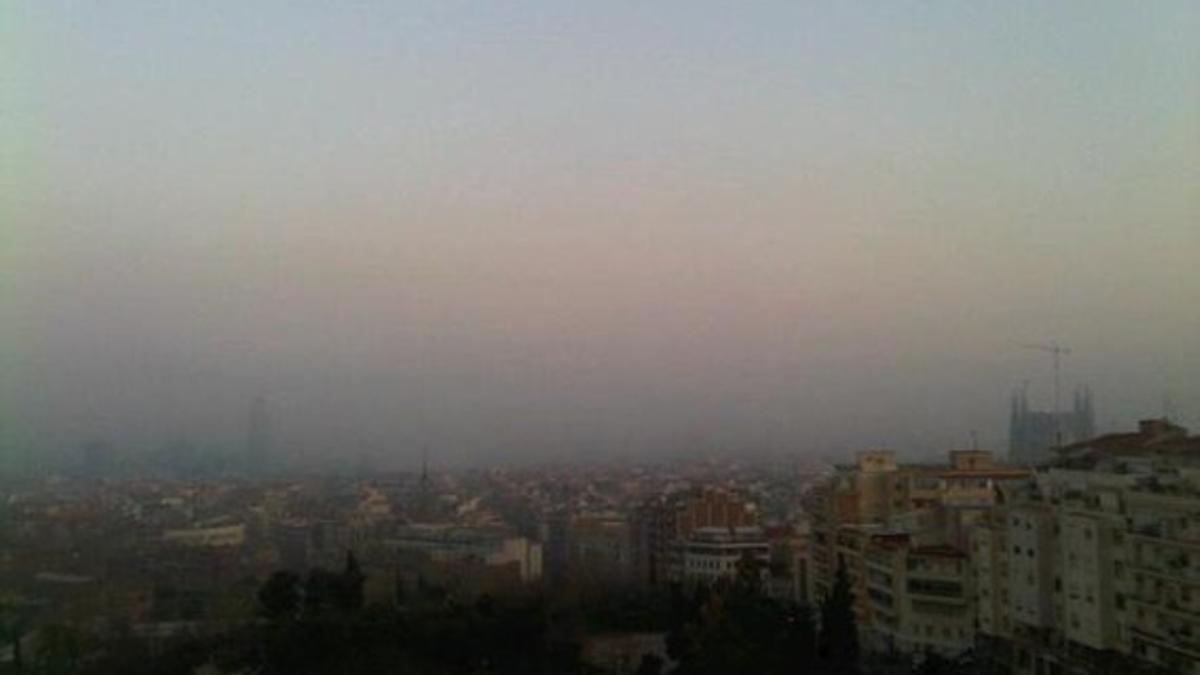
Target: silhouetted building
599,550
99,459
424,506
464,561
1033,433
258,437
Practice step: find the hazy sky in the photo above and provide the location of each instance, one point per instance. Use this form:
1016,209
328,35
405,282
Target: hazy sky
562,228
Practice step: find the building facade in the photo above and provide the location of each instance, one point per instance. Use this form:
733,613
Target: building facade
710,554
902,531
662,525
1095,564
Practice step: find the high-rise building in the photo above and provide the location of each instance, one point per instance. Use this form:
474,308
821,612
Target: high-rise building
1033,433
258,437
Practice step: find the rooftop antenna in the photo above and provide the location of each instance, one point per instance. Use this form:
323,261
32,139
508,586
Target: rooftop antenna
1057,351
974,439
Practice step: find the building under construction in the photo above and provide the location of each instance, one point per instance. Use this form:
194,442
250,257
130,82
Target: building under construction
1033,433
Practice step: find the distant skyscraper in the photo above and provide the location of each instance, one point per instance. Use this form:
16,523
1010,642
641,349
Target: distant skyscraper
1032,433
258,436
98,459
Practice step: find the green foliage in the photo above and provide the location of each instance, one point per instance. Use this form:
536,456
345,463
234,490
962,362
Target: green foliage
279,598
326,592
59,647
350,597
335,633
650,665
733,628
321,625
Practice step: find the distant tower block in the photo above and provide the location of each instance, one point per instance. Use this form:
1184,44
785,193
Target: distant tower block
258,437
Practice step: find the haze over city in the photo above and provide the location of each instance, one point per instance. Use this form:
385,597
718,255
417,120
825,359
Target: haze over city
546,231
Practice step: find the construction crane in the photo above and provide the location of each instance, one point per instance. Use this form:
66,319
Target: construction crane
1057,351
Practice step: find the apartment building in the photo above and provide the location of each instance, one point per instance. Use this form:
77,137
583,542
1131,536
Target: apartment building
662,524
902,532
1095,564
710,554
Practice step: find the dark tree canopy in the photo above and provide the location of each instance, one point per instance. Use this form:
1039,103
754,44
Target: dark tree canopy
279,597
838,640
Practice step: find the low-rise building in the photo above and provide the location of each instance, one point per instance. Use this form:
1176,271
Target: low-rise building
465,558
219,536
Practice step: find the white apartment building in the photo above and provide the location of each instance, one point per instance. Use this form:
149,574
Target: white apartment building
1097,562
901,531
919,597
709,554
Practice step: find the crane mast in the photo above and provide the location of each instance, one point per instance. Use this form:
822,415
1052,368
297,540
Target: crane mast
1056,351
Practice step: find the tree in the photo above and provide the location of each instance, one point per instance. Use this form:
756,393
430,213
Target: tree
651,664
279,597
750,573
12,626
735,627
322,591
933,663
60,646
400,597
838,638
326,591
350,589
